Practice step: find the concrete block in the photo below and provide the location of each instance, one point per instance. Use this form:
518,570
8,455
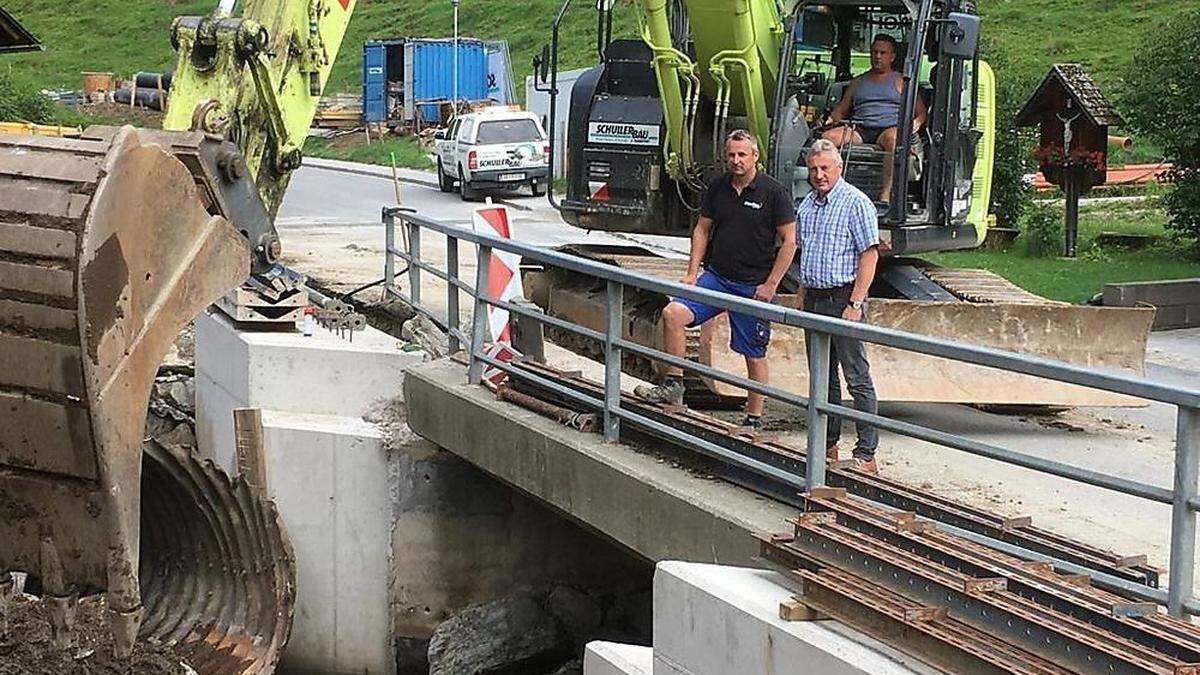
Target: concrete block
614,658
1177,316
1157,293
714,620
329,477
283,370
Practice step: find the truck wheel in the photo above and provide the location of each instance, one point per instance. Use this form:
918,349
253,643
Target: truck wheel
468,193
539,189
445,183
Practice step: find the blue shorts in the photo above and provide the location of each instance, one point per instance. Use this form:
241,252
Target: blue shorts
748,335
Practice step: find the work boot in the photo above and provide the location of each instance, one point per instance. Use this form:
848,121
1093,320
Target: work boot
669,392
865,465
831,453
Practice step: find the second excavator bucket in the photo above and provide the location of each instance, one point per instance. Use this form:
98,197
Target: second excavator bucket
108,248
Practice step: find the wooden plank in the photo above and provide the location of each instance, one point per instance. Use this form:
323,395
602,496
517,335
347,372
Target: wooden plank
45,436
40,365
248,434
57,166
37,279
44,202
72,145
39,241
36,317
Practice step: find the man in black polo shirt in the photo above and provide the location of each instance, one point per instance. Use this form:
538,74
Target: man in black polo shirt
745,237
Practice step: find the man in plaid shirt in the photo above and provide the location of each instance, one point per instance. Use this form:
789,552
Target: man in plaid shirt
838,235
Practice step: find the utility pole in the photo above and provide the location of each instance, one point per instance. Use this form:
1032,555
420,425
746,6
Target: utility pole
454,74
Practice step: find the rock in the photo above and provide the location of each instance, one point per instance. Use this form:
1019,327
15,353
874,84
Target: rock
579,613
513,635
179,437
420,330
182,393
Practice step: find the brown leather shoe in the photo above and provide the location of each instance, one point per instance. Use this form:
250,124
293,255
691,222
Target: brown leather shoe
831,453
865,465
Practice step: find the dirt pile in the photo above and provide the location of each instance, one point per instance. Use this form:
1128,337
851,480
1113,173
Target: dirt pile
26,648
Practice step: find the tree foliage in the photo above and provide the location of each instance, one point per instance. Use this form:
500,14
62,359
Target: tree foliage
1011,196
1161,101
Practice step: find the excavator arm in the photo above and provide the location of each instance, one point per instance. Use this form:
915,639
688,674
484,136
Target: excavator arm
109,245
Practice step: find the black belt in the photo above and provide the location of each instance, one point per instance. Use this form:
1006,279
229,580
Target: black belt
828,292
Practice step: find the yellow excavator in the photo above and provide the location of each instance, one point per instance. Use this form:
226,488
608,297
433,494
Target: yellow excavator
109,245
644,132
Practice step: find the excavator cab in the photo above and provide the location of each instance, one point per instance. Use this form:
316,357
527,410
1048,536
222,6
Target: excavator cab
827,45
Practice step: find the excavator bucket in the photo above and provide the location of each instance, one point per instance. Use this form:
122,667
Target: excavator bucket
107,250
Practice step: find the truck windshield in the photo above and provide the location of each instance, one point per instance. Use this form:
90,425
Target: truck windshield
508,131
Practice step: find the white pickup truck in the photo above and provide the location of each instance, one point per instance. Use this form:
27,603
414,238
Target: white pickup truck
493,150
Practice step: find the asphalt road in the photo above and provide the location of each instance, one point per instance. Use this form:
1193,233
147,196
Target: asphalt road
329,224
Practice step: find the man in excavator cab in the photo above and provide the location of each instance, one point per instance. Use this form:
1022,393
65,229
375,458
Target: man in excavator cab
874,99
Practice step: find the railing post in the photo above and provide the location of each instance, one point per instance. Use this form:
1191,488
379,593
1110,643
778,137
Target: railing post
414,254
818,394
479,322
1183,518
612,361
452,316
389,258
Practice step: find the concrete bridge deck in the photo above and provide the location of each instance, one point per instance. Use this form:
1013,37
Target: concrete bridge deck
644,503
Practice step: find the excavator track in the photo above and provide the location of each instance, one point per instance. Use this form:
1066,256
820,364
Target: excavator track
107,249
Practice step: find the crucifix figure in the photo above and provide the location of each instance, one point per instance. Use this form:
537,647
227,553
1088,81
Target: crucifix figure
1067,133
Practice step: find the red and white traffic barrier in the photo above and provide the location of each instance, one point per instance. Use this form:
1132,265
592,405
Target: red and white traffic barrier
504,283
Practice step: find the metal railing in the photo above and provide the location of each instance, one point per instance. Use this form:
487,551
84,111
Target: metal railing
1184,498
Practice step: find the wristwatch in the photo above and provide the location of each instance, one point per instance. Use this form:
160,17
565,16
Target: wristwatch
856,304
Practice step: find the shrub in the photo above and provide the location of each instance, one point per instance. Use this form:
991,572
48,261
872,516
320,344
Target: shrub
22,102
1159,99
1042,231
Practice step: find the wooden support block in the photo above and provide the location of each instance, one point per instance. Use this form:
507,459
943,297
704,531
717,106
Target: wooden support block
914,526
1130,561
1008,524
248,432
782,538
816,518
914,614
795,610
826,492
1038,567
984,585
903,516
1081,580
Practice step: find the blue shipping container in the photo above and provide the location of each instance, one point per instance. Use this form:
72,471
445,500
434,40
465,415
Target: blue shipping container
428,73
425,68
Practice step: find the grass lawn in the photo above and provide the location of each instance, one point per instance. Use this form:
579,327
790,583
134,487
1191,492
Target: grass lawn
1076,280
353,148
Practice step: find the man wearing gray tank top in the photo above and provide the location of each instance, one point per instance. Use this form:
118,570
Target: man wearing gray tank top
873,101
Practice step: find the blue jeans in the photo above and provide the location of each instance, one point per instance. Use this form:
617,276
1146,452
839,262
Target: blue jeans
851,355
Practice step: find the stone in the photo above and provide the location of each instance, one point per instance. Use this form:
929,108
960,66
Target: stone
578,612
513,635
182,393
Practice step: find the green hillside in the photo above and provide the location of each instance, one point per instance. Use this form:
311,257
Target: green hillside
122,36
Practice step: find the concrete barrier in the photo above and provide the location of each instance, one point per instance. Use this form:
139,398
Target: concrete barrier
1177,302
614,658
715,620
